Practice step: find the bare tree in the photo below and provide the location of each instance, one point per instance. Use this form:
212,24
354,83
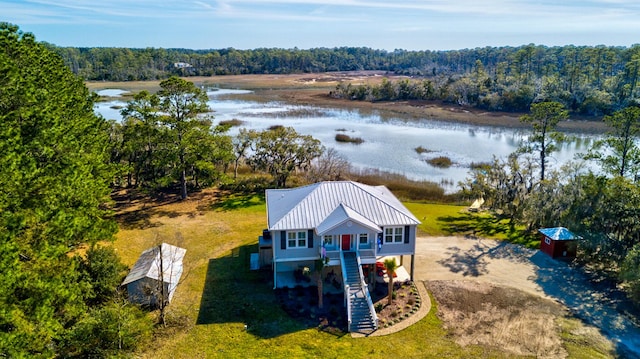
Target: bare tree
168,274
330,166
241,143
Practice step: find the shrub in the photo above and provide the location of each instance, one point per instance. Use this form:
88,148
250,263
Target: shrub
102,270
112,330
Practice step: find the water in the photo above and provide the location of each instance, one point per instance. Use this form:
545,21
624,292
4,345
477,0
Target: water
389,143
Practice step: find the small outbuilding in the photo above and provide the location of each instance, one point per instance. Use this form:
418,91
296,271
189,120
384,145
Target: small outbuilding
155,275
558,242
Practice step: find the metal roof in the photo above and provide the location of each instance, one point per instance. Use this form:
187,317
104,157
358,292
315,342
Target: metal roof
148,264
309,206
558,234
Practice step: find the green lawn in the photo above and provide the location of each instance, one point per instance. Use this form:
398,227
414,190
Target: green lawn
219,295
449,220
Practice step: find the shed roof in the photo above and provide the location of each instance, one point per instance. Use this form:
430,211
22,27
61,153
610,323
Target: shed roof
148,264
309,206
558,234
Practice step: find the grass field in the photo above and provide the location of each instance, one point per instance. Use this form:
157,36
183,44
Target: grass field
219,296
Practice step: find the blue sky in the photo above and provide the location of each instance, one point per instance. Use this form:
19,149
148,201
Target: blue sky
379,24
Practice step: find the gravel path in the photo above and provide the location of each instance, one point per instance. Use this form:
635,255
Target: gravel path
501,263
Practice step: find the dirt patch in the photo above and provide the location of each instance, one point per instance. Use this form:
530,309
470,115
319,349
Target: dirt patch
504,318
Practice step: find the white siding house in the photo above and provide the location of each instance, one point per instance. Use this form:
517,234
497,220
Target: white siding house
326,218
147,282
349,226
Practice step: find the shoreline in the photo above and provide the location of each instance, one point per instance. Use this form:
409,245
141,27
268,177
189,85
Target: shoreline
429,110
314,89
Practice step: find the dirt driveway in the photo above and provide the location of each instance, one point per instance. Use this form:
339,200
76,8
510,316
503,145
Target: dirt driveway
504,264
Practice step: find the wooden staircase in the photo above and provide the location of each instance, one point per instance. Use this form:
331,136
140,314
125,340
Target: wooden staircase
362,318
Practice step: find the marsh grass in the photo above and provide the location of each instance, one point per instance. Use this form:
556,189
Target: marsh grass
296,112
341,137
402,187
440,162
234,122
421,150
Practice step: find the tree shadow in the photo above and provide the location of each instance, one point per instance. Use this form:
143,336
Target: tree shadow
481,225
235,294
474,262
229,201
136,210
602,305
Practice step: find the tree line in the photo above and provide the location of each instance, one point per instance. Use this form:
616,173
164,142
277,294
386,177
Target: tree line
585,82
589,80
167,139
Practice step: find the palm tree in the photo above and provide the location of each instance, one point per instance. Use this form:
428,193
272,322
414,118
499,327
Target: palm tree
390,265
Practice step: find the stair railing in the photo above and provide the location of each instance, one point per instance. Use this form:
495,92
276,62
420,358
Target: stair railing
365,288
347,297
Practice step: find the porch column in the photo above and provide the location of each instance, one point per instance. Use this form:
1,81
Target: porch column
275,285
413,259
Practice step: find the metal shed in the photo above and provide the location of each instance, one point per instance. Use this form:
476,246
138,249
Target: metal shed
155,274
558,242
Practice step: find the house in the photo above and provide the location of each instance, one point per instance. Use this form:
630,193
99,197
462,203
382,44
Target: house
181,65
146,283
558,242
349,225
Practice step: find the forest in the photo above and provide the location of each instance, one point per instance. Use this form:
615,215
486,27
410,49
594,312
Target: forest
590,81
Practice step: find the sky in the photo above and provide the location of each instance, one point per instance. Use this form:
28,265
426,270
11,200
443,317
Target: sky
305,24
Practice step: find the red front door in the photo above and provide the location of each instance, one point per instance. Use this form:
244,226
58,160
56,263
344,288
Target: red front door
346,242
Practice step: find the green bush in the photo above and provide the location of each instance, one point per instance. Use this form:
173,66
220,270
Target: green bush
114,330
630,274
103,271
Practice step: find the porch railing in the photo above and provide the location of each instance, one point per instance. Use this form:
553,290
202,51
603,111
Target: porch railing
347,301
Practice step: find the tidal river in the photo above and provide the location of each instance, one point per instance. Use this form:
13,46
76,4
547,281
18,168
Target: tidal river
389,143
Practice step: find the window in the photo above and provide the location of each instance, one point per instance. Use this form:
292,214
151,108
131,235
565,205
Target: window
547,240
328,240
364,238
393,234
297,239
